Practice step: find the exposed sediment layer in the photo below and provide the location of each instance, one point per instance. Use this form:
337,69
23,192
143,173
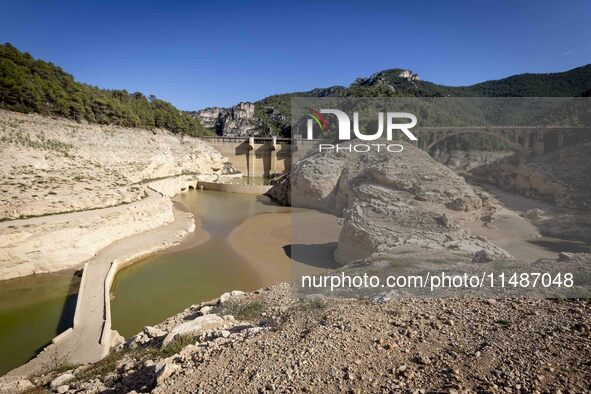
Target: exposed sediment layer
56,165
267,242
57,242
70,189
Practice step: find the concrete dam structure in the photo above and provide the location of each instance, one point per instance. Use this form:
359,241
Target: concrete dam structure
261,156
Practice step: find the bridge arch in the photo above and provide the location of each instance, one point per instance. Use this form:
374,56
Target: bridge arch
514,145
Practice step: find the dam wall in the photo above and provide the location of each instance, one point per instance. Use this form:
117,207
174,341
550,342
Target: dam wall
260,156
229,188
269,156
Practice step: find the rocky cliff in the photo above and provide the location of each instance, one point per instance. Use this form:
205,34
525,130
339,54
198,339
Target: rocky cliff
70,189
239,120
390,202
562,177
56,165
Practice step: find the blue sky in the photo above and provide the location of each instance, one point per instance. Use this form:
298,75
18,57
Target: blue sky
205,53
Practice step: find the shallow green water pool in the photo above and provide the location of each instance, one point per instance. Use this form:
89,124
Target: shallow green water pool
33,310
162,285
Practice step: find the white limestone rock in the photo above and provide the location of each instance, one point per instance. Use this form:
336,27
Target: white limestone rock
226,296
165,368
61,380
116,339
195,327
154,332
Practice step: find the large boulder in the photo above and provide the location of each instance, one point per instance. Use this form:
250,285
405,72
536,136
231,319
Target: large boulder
389,201
195,327
164,369
154,332
15,385
61,380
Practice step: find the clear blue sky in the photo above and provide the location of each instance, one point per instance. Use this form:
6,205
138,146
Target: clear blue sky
205,53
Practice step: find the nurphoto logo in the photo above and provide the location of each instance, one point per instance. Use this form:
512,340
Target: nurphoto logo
344,130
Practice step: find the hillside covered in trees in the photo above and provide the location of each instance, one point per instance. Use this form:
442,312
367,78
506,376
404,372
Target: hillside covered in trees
31,85
273,111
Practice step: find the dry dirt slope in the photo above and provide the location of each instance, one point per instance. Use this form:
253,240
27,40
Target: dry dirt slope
56,165
274,343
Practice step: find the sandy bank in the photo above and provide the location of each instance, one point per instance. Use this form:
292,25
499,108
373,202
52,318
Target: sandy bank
267,241
509,229
512,233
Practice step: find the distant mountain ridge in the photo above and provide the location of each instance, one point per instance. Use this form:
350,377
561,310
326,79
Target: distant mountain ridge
271,114
32,85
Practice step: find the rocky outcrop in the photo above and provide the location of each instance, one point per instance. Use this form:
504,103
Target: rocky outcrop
239,120
562,177
53,243
561,223
314,345
71,189
465,161
195,327
281,190
407,74
384,78
389,202
55,165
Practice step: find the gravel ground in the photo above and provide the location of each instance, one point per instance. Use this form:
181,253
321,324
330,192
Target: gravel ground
276,343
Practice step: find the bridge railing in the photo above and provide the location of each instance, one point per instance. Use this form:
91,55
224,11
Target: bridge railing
257,140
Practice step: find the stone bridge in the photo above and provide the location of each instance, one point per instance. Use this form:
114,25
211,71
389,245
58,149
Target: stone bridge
528,141
260,156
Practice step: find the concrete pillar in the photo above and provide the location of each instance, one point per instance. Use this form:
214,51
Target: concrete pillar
250,157
273,166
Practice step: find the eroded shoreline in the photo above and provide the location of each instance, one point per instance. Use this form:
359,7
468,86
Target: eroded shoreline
91,336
